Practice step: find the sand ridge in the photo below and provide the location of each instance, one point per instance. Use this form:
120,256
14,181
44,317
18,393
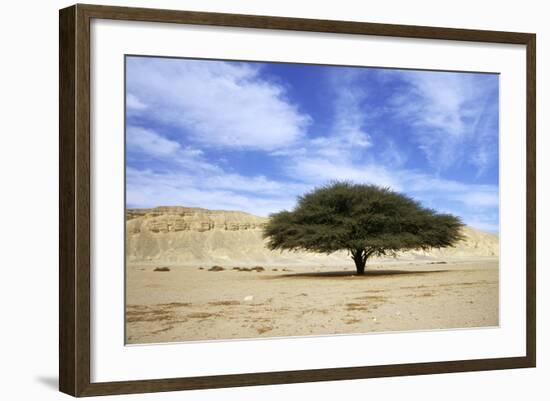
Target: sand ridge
195,236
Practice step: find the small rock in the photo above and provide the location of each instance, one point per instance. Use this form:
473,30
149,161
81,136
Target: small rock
216,269
248,298
161,269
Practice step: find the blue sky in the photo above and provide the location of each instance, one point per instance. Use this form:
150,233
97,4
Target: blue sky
254,136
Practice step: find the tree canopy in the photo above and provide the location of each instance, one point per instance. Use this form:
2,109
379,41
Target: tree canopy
366,220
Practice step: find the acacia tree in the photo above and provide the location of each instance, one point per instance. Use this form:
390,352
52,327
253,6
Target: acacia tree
365,220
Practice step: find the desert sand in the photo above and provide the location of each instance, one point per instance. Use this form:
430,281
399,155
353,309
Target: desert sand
173,294
186,303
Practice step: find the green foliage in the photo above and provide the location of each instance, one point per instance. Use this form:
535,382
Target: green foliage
366,220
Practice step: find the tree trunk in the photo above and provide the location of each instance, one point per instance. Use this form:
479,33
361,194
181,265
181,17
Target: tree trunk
359,256
360,268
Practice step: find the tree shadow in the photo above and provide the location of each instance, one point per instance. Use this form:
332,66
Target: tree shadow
368,273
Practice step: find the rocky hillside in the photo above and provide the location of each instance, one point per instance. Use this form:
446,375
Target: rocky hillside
194,236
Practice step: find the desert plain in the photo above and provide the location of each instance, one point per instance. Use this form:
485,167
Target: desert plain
197,275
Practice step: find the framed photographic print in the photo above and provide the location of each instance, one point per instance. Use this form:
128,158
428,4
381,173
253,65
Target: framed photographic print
250,200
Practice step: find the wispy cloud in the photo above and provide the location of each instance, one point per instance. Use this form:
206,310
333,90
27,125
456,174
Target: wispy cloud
453,115
147,145
346,136
392,156
348,132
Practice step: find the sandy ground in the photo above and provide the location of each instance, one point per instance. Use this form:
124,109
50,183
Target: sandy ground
189,303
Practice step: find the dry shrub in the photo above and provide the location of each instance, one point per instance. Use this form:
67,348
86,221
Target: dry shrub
224,303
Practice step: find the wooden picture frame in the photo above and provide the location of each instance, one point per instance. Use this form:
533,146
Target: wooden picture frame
75,206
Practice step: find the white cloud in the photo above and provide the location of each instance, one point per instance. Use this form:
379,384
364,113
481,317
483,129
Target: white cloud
134,104
220,105
256,184
435,188
483,224
149,142
146,188
261,196
319,171
428,188
480,198
182,176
